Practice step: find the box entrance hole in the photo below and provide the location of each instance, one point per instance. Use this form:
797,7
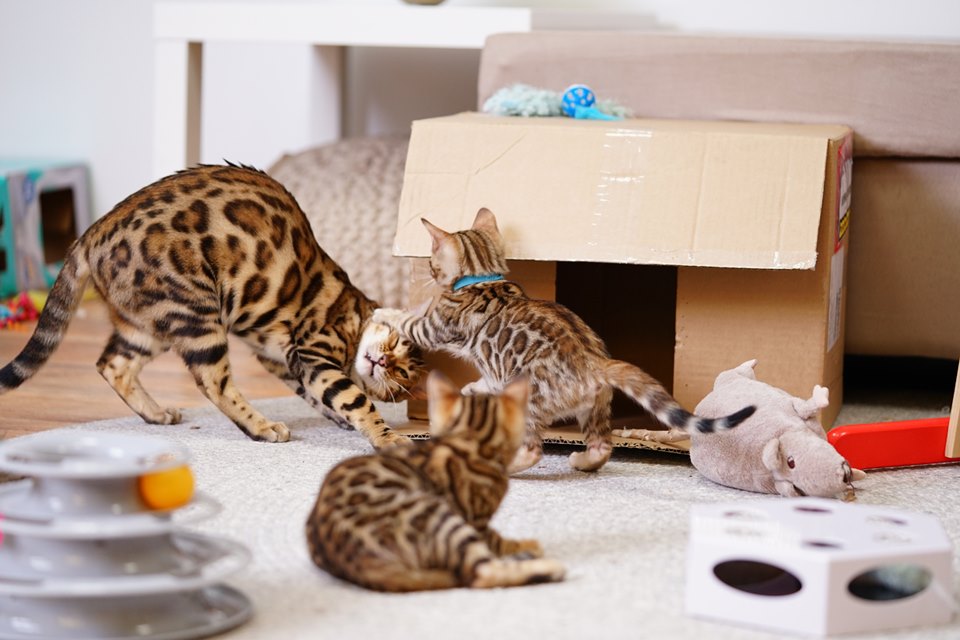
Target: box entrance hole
633,308
59,223
3,249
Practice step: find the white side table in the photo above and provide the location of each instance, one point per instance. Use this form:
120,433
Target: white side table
181,29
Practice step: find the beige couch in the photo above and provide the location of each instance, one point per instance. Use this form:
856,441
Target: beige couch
901,100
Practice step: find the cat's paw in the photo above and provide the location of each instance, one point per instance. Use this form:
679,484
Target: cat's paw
510,572
164,416
525,458
545,570
591,458
526,549
387,316
390,438
272,432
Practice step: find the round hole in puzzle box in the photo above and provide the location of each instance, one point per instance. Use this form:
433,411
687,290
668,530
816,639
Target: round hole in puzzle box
758,578
886,521
746,515
890,582
822,544
813,510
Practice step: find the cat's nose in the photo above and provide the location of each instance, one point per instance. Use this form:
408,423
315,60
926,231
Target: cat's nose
382,361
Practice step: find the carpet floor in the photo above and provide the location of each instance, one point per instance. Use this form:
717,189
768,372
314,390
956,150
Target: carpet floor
621,533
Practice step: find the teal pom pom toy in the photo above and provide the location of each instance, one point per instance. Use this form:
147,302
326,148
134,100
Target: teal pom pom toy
578,101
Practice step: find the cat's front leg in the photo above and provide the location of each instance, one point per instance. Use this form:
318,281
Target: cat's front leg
418,329
338,394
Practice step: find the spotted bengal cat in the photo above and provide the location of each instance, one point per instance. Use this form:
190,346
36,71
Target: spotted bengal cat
490,322
417,518
214,250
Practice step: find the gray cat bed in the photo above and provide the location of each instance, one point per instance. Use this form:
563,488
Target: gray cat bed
350,190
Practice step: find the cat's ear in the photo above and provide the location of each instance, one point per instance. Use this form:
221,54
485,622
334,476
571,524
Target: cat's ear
442,398
485,221
437,234
518,390
514,414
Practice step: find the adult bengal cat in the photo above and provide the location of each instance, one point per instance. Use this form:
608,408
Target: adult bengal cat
490,322
218,249
418,517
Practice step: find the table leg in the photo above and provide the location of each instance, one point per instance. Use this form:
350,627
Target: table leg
326,94
953,437
176,103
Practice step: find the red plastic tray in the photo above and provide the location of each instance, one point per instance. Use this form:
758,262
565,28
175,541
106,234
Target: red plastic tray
892,444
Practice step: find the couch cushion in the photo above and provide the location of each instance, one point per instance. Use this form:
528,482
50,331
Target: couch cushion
904,270
349,190
897,97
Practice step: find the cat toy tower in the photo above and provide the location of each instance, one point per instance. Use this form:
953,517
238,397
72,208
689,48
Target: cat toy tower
93,543
815,566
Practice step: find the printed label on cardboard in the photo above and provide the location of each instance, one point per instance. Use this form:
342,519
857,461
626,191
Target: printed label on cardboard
835,322
844,180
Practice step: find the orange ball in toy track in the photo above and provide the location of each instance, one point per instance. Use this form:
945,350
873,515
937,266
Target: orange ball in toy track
168,489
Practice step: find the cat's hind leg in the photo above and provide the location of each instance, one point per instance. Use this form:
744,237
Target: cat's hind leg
205,355
125,355
511,572
397,578
479,566
526,548
595,426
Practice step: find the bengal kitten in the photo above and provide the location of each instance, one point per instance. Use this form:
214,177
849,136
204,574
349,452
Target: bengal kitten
214,250
490,322
417,518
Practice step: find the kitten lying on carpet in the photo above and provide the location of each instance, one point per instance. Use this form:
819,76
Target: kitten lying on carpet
225,249
490,322
417,517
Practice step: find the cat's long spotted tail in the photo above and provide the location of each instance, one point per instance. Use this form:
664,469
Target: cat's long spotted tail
650,394
61,304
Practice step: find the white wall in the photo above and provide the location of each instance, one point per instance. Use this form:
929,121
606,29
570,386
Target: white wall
76,75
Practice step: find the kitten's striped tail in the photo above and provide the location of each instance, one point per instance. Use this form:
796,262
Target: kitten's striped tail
650,394
52,325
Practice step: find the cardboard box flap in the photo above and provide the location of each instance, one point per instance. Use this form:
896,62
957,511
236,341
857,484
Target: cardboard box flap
720,194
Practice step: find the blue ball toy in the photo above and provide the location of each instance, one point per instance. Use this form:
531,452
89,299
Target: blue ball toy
578,102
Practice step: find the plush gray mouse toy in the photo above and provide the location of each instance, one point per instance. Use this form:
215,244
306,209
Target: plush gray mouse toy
781,448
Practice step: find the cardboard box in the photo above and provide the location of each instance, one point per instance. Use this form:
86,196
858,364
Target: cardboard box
690,247
44,207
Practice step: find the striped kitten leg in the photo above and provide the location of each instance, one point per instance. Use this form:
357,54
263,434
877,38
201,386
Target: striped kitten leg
206,358
125,355
595,426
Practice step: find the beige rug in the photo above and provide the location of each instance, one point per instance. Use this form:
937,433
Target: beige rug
621,533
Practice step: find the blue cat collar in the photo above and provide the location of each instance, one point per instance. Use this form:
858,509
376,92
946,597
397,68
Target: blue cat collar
466,281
